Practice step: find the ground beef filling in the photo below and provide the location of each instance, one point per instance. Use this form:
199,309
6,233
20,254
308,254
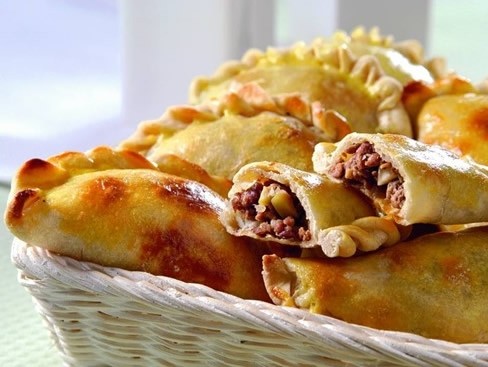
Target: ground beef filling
275,209
363,167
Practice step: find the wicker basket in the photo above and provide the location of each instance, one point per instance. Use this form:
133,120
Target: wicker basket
102,316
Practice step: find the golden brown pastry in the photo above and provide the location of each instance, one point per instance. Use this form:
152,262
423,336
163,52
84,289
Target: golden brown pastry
356,87
434,286
410,181
116,209
275,202
417,93
458,123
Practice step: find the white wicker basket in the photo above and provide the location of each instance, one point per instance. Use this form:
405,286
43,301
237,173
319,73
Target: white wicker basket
102,316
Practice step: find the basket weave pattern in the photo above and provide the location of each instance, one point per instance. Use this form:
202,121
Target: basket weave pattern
101,316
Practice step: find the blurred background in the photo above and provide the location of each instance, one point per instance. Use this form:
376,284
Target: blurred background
75,74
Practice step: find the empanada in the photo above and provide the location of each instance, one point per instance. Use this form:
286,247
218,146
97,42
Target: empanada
273,201
244,126
355,87
434,286
402,60
221,147
117,209
410,181
458,123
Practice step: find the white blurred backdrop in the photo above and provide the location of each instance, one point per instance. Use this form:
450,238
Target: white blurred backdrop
75,74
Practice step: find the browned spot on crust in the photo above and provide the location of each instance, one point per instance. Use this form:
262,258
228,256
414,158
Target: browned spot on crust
18,203
137,159
40,173
400,256
196,197
177,254
454,271
104,191
36,164
478,122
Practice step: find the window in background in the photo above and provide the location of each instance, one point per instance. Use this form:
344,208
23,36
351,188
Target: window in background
457,33
59,78
74,74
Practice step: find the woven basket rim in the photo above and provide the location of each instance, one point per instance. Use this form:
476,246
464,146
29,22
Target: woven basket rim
340,337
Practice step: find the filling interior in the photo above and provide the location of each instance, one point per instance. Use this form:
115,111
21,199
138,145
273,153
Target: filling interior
274,209
364,168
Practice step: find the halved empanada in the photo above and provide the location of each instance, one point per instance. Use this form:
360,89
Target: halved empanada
276,202
410,181
117,209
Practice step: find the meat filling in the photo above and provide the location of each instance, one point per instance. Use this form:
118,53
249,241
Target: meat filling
275,209
364,168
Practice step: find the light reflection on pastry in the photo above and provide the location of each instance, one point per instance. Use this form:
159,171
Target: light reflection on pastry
410,181
117,209
276,202
434,286
355,87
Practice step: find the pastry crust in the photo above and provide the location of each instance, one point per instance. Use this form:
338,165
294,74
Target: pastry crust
433,286
458,123
117,209
437,186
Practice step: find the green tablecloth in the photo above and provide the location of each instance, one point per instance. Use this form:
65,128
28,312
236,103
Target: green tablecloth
24,341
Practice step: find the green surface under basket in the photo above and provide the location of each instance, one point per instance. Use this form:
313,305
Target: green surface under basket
24,341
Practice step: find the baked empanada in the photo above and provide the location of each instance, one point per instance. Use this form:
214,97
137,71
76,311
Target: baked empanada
244,126
221,147
458,123
355,87
276,202
417,93
402,60
434,286
410,181
117,209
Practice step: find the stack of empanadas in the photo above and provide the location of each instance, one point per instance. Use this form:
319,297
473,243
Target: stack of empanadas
339,177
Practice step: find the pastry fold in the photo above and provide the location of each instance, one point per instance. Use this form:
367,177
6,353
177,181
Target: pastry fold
434,286
408,180
117,209
276,202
